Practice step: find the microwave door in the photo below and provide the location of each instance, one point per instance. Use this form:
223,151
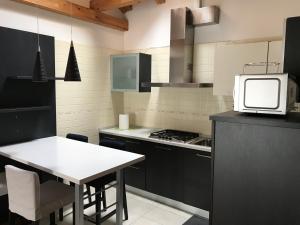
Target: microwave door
260,93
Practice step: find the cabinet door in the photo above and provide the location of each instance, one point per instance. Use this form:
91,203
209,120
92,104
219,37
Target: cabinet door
256,174
197,179
229,61
125,69
164,171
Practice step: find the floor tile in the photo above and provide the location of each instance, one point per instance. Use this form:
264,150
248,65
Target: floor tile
166,217
142,211
145,221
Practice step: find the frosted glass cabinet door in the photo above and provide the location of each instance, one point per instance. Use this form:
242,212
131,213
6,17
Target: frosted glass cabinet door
125,72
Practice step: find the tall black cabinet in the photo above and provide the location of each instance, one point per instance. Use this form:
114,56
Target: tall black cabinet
27,109
256,169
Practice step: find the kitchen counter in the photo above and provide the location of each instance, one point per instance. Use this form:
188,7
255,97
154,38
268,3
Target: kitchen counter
291,120
256,160
142,133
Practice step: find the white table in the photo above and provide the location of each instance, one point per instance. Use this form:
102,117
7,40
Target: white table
75,161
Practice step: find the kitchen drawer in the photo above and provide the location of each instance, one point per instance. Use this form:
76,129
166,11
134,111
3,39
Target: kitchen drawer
108,137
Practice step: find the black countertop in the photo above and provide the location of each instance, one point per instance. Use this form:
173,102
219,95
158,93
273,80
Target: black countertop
291,120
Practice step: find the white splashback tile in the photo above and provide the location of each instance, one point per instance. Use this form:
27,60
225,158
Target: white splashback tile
84,107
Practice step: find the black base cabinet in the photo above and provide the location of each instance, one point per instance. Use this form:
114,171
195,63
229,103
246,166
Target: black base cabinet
197,179
3,209
135,175
256,177
164,171
177,173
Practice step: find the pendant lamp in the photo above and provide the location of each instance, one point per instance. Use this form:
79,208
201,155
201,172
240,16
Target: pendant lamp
39,71
72,70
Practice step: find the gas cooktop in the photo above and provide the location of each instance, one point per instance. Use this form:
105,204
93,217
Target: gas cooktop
181,137
174,135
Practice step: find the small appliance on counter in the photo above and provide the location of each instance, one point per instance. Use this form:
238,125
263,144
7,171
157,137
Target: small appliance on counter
272,93
182,137
123,121
264,93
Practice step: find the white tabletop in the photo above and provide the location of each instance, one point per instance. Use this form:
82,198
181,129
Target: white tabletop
74,161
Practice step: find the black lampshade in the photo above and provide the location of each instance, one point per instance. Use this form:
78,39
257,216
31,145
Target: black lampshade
39,72
72,70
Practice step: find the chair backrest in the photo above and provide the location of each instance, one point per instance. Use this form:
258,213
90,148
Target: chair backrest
78,137
23,192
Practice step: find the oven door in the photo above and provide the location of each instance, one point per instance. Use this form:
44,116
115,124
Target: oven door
262,93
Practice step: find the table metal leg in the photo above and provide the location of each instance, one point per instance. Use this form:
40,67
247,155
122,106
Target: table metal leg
120,183
79,217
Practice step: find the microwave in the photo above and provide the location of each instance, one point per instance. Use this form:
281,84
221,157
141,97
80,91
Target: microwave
264,93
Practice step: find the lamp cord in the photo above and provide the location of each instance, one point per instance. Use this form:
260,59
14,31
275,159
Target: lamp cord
38,29
71,21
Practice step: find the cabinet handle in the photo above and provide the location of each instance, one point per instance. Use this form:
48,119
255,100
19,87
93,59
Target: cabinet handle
132,142
163,148
203,156
109,138
134,167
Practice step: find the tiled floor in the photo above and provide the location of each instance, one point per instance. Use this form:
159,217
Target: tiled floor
141,212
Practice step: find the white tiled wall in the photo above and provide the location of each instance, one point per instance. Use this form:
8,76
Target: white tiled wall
84,107
178,108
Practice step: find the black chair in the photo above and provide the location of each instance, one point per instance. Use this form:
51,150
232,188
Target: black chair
99,186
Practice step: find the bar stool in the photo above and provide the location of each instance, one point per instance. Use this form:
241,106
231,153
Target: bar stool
32,200
100,191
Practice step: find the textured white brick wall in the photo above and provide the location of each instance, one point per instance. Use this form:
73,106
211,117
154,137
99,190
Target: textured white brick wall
178,108
84,107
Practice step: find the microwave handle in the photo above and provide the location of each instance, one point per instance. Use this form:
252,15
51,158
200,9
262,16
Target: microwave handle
235,93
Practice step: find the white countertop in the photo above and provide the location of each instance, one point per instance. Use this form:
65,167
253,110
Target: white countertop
72,160
142,133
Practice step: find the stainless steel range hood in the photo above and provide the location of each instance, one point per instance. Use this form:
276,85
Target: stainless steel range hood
183,22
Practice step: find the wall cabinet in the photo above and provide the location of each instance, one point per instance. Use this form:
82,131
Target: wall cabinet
177,173
128,72
231,57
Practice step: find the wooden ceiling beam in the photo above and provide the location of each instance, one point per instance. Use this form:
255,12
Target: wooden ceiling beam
79,12
103,5
160,1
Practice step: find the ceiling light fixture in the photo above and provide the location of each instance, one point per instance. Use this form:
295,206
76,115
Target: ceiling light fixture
72,70
39,71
